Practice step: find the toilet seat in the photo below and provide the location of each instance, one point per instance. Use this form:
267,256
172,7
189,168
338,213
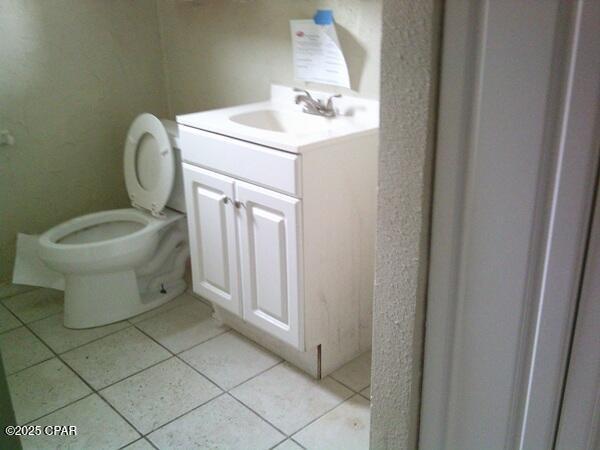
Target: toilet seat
54,236
149,164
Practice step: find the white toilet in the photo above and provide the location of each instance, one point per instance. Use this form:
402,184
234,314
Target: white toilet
122,262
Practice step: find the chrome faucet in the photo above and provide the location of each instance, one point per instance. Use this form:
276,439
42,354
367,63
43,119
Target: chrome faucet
316,107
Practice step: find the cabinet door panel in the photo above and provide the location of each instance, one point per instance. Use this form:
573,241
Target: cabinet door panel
270,262
213,237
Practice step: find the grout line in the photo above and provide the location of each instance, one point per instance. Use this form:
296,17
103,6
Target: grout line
297,443
19,292
317,418
184,414
89,342
200,299
120,415
34,320
258,374
346,386
58,409
287,438
279,443
327,412
150,443
29,367
156,312
138,440
209,339
259,416
45,317
137,372
14,317
165,311
203,375
10,329
130,443
228,330
364,396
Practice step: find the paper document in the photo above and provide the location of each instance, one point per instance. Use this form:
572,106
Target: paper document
317,53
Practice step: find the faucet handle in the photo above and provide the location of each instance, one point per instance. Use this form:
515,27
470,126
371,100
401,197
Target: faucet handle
330,101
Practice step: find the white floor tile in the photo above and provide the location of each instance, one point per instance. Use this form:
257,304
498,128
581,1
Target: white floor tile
142,444
288,444
344,428
288,398
183,327
98,427
35,304
160,394
7,320
356,374
115,357
230,359
61,339
223,423
43,388
21,349
183,299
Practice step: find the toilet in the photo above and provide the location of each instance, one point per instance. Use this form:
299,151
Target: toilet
123,262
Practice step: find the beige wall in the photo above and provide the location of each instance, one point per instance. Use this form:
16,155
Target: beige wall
221,53
73,74
409,70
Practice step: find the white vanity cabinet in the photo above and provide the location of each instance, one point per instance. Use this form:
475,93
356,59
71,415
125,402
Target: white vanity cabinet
282,224
246,256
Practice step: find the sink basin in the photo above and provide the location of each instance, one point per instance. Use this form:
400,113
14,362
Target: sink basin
282,121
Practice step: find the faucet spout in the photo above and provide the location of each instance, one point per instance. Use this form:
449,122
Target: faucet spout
315,107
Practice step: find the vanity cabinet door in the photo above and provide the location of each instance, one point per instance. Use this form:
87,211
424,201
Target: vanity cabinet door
270,261
213,238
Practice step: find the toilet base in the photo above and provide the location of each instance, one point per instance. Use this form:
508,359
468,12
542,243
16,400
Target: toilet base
100,299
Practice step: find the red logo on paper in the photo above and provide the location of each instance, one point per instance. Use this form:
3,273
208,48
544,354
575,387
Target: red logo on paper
299,33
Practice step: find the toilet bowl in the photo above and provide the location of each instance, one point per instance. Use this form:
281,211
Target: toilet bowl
123,262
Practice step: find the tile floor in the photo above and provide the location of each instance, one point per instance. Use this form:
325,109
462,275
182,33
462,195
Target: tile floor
170,378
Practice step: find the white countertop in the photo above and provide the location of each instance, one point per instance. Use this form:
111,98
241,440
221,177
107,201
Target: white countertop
299,132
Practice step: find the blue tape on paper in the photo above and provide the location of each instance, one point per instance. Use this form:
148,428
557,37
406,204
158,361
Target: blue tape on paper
324,17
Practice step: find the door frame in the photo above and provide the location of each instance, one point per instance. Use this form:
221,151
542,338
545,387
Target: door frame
579,423
565,189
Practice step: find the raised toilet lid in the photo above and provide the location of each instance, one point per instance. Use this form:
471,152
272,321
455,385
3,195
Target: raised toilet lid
149,164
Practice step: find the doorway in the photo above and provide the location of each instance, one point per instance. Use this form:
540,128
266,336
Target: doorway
516,165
